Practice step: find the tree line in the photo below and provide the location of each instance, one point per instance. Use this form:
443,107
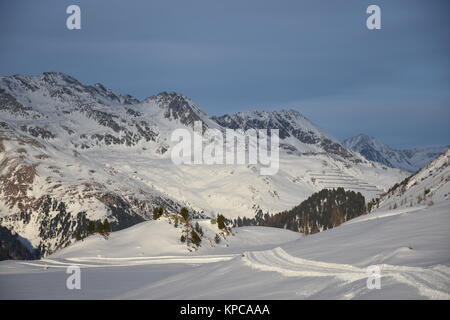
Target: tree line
323,210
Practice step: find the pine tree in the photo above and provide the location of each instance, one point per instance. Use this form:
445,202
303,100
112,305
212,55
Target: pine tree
221,222
99,226
185,214
91,227
336,217
106,226
198,229
195,238
157,212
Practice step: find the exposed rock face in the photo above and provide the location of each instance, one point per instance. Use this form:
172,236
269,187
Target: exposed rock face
12,248
177,107
291,124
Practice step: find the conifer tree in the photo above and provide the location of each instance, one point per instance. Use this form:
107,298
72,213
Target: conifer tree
91,227
106,226
157,212
195,238
198,229
221,222
185,214
98,226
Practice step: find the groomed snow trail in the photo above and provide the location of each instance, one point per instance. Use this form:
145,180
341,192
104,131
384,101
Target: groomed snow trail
430,282
101,262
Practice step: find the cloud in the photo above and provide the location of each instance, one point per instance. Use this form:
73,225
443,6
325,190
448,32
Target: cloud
317,56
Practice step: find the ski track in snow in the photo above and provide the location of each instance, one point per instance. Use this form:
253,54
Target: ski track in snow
430,282
101,262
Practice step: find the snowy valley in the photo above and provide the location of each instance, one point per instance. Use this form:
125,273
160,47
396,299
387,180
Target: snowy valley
72,154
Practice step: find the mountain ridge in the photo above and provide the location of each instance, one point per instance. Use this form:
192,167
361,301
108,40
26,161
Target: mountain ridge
410,160
427,187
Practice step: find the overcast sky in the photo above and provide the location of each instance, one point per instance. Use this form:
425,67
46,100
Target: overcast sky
315,56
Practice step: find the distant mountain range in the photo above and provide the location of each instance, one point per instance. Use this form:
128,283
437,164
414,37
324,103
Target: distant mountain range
72,153
409,160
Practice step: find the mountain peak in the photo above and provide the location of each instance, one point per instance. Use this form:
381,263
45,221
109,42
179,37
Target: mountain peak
57,78
300,134
177,106
361,141
65,87
164,98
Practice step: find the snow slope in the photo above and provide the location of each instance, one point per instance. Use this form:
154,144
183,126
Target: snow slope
428,186
128,260
159,238
149,238
410,246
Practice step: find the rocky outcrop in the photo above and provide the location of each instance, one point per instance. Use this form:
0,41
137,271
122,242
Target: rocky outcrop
13,248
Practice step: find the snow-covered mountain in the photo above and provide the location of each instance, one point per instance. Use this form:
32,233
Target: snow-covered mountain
71,153
299,135
407,159
427,187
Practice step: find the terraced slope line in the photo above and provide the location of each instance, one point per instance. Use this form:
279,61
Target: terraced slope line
335,178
